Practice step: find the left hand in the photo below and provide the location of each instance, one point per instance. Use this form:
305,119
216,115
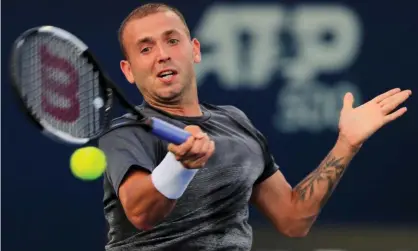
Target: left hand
356,125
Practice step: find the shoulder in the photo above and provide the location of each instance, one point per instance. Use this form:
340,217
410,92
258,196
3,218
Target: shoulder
240,116
231,110
125,127
126,137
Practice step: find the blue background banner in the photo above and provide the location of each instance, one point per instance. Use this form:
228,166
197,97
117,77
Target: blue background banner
286,64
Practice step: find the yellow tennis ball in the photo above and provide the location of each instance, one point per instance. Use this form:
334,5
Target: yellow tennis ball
88,163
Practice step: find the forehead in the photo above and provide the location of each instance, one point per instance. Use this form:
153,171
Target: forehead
154,25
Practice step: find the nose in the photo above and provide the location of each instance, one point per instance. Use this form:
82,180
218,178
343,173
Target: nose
163,55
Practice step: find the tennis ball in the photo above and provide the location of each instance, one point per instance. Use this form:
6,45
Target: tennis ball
88,163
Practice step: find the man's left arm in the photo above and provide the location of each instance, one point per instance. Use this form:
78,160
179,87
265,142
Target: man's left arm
293,211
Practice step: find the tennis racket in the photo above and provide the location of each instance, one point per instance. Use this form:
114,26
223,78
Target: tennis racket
66,93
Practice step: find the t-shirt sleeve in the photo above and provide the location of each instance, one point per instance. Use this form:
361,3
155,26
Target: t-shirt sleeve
126,148
270,165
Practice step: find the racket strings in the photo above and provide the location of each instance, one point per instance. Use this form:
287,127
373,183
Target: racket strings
59,86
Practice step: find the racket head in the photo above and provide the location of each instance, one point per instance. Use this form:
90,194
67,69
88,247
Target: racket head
60,85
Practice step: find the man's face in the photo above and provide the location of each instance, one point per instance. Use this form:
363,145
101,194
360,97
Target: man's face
161,55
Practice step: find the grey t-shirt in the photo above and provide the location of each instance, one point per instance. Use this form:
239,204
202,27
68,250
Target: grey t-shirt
212,214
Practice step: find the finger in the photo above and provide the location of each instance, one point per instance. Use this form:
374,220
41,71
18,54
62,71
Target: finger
388,105
386,95
181,150
196,151
396,96
195,131
177,148
209,152
205,148
200,162
348,101
198,159
395,115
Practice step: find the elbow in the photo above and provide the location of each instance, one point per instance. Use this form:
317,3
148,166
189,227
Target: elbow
295,227
137,216
141,222
145,218
295,233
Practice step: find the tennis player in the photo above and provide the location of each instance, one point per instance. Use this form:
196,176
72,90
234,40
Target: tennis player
195,196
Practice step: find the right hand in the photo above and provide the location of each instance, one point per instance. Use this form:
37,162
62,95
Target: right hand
195,152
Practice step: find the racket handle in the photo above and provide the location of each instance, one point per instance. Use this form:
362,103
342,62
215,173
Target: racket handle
169,132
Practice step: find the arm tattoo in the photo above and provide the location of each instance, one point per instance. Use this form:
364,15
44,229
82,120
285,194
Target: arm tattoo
329,173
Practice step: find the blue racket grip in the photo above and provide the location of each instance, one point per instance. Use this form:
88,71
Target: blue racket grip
169,132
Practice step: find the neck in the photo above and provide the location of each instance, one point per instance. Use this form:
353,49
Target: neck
180,109
187,105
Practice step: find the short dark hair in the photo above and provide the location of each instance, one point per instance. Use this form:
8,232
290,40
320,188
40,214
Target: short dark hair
143,11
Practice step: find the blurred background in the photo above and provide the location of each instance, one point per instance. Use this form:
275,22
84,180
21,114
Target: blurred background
286,64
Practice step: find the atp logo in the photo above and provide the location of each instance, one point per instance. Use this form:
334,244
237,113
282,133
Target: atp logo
248,45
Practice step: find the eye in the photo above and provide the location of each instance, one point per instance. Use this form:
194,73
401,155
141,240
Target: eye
173,41
146,49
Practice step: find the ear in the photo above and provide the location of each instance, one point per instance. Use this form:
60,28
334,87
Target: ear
125,66
197,56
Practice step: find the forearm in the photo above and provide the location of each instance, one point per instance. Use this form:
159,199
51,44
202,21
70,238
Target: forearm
144,205
152,196
312,193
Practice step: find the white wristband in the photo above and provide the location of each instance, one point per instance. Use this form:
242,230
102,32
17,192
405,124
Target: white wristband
171,178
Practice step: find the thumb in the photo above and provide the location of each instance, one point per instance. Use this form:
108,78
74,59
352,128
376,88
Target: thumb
195,131
348,101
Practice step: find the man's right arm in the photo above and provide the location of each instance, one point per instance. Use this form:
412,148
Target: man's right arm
147,198
143,204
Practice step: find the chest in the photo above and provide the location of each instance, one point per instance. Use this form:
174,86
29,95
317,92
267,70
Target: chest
224,186
233,168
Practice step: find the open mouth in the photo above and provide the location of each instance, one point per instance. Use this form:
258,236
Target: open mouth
167,75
